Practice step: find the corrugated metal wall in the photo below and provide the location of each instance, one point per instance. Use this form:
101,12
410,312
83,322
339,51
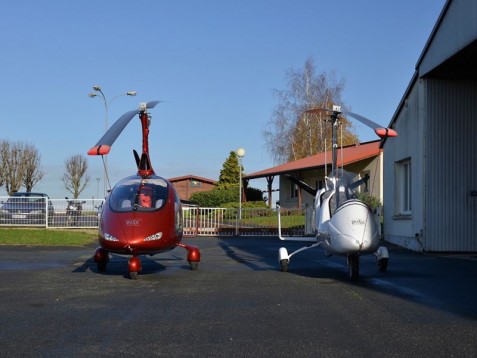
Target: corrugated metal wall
451,166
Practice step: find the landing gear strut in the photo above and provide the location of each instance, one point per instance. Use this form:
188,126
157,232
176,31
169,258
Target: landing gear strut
134,266
101,257
353,266
382,256
193,255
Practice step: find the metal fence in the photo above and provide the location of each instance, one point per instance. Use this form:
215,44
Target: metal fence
197,221
247,222
58,213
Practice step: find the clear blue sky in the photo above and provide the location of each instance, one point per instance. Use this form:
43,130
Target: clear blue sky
215,63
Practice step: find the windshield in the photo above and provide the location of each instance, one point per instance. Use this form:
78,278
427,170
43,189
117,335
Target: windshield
342,181
340,177
138,194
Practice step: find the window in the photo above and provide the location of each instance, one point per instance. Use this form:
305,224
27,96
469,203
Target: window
365,187
403,187
195,183
293,191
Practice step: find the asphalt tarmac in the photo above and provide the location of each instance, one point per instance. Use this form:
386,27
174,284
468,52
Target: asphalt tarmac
54,303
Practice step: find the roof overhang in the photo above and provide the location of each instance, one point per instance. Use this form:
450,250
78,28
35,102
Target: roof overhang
350,154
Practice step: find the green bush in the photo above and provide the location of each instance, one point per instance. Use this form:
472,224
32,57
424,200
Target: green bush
372,201
217,198
253,195
246,205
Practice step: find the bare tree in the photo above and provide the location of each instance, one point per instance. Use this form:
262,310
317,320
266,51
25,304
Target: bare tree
11,157
291,134
32,167
75,178
2,163
19,165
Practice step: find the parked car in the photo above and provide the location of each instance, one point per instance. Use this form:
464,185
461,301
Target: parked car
26,208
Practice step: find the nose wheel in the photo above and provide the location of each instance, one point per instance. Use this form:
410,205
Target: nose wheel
134,266
353,266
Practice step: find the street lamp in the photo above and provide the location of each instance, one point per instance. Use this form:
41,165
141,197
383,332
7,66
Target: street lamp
97,187
106,115
240,154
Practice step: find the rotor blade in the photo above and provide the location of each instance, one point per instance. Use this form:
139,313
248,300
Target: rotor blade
152,104
318,110
382,132
104,144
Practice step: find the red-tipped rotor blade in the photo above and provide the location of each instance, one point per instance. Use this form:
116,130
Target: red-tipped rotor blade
378,129
385,132
104,144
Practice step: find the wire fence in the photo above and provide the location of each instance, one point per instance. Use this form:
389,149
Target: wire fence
85,213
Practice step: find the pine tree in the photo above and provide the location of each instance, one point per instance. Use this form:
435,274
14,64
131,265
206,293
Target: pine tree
230,173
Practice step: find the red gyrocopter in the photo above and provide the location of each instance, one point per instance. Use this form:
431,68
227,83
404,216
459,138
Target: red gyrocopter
142,214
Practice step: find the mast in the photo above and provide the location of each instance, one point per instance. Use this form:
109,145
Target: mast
145,132
334,135
144,164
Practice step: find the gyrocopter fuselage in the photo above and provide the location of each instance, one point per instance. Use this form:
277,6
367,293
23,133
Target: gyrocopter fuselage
142,214
343,224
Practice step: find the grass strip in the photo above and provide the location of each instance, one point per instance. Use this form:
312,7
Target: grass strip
47,237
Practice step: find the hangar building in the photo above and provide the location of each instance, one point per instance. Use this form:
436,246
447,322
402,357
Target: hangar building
430,169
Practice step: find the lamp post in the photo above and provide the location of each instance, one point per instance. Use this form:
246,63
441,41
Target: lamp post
106,118
97,187
240,154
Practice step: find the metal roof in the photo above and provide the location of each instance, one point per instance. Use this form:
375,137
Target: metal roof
350,154
194,177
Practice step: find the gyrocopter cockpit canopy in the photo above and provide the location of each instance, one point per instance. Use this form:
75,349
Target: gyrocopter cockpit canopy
340,177
135,193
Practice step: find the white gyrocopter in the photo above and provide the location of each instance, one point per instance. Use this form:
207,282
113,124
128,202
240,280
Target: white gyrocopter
343,225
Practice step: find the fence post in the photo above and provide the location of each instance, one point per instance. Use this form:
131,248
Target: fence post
237,233
47,213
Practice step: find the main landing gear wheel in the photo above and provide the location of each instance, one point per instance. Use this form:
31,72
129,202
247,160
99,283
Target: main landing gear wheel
283,259
284,265
382,256
101,257
194,265
353,266
101,266
133,275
